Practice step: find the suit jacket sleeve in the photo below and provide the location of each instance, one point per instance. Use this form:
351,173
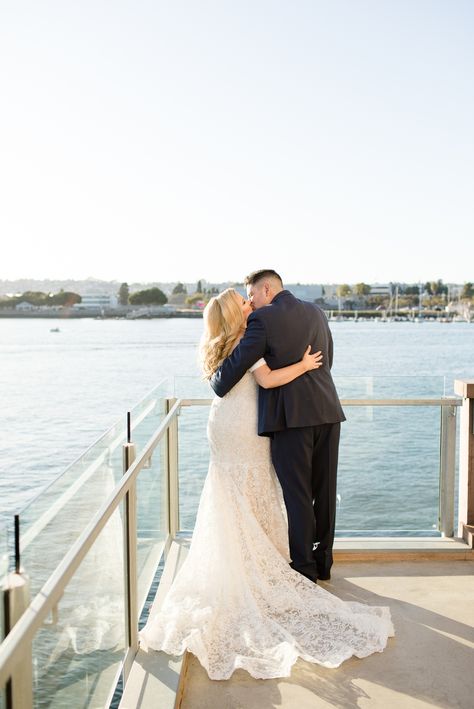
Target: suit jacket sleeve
330,350
250,348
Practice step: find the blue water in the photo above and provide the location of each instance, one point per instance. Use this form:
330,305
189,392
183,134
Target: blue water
61,390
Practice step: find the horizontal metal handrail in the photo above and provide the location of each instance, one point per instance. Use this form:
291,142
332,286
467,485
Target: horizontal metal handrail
447,401
50,594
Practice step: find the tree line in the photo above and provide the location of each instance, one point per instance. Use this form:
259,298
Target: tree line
437,292
38,298
430,288
155,296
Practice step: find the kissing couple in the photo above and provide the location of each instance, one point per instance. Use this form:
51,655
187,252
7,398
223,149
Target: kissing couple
247,595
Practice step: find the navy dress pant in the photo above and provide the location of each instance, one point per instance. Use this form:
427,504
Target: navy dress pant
305,460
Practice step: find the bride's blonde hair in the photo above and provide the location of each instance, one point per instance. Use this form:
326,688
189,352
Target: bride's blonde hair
224,324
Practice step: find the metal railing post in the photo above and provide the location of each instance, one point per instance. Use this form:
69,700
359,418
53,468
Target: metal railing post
19,689
447,470
465,388
16,598
130,561
172,469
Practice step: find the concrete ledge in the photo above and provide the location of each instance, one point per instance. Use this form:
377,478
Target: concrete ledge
401,548
157,679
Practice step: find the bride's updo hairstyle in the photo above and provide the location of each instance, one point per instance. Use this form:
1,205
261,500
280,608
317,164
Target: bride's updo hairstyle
224,324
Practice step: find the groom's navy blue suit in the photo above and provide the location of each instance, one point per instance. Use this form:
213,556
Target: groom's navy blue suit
302,418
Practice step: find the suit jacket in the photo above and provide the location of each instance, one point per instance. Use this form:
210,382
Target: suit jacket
280,332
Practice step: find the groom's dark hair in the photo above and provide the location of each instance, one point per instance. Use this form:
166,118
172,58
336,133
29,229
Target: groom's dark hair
256,276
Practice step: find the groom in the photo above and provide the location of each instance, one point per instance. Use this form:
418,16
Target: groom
302,418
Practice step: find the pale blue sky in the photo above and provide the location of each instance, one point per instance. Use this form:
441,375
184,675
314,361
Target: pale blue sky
330,140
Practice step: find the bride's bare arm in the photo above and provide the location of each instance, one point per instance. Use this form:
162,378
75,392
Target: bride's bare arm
270,378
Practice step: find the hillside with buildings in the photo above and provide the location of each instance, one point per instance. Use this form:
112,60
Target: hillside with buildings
94,297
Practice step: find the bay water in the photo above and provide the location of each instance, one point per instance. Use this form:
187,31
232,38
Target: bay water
60,391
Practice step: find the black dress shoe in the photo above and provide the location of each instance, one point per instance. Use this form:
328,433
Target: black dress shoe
324,576
311,578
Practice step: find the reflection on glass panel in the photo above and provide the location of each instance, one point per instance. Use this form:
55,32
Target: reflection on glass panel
388,475
77,654
54,519
152,519
193,460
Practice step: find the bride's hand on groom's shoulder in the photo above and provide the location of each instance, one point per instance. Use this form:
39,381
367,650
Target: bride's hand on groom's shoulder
312,361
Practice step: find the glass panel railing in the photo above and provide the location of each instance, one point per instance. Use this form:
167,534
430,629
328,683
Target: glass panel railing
77,654
360,387
55,518
3,575
388,477
193,457
152,519
388,473
147,415
193,452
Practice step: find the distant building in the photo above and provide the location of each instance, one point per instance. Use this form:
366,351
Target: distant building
178,299
330,291
24,305
303,291
329,295
97,300
309,291
379,289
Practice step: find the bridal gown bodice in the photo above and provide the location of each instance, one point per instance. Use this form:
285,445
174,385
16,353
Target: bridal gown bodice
236,602
232,427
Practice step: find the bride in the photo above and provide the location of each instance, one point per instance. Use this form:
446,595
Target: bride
236,602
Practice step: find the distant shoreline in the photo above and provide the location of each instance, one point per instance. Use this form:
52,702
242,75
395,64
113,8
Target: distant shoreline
164,314
70,314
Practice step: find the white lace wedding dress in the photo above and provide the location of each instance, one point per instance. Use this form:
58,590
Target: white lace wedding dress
236,603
